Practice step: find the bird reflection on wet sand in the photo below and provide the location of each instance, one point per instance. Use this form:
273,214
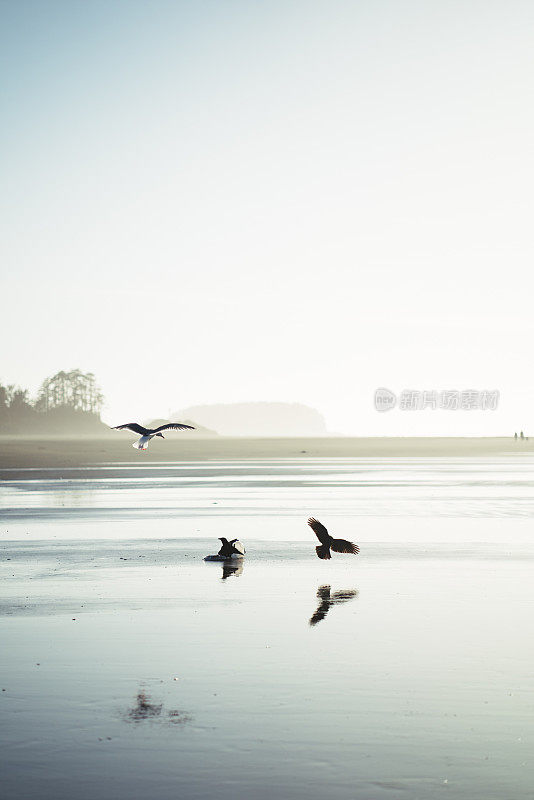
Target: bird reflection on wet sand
327,600
232,568
145,709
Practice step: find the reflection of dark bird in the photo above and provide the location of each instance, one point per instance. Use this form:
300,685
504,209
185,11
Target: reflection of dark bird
327,600
233,548
143,708
232,568
327,543
148,433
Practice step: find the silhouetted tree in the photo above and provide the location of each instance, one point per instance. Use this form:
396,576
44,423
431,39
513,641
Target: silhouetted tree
74,389
66,401
16,410
19,400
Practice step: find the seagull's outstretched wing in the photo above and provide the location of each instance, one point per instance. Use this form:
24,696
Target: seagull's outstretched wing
239,546
173,426
342,546
132,426
319,530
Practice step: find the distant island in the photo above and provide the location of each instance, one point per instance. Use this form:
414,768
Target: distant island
69,403
200,430
257,419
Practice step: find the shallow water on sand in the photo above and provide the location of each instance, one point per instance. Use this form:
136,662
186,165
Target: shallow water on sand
368,487
132,668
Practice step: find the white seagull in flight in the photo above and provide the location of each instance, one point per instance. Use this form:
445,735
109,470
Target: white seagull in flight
148,433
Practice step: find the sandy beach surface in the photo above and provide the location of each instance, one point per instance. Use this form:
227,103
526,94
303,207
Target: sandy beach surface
114,449
131,668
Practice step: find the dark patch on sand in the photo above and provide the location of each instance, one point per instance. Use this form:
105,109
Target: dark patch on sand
145,709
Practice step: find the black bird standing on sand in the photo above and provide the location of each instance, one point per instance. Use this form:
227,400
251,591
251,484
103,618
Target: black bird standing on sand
328,543
233,548
148,433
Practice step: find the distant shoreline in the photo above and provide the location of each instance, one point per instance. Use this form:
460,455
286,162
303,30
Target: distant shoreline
41,452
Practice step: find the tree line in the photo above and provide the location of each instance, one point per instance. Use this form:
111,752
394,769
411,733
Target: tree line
65,401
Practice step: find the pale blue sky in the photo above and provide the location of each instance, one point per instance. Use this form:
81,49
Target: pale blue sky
301,201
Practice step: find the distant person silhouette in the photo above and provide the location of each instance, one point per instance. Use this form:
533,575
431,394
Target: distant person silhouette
515,436
522,435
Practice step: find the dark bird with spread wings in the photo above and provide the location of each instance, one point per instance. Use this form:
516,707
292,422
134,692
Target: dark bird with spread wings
148,433
232,548
328,543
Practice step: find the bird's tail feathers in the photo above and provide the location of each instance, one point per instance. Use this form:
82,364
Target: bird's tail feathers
141,443
323,551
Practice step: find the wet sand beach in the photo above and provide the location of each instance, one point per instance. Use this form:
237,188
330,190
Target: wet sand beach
114,448
131,668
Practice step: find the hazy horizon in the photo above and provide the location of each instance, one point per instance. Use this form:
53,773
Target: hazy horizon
296,202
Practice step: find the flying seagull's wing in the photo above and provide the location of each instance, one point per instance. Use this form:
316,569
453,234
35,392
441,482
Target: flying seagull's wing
173,426
132,426
342,546
319,530
239,546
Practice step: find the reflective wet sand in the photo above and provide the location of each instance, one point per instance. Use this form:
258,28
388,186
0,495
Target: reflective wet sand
132,668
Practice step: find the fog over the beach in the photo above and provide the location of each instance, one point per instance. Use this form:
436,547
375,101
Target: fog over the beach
223,202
